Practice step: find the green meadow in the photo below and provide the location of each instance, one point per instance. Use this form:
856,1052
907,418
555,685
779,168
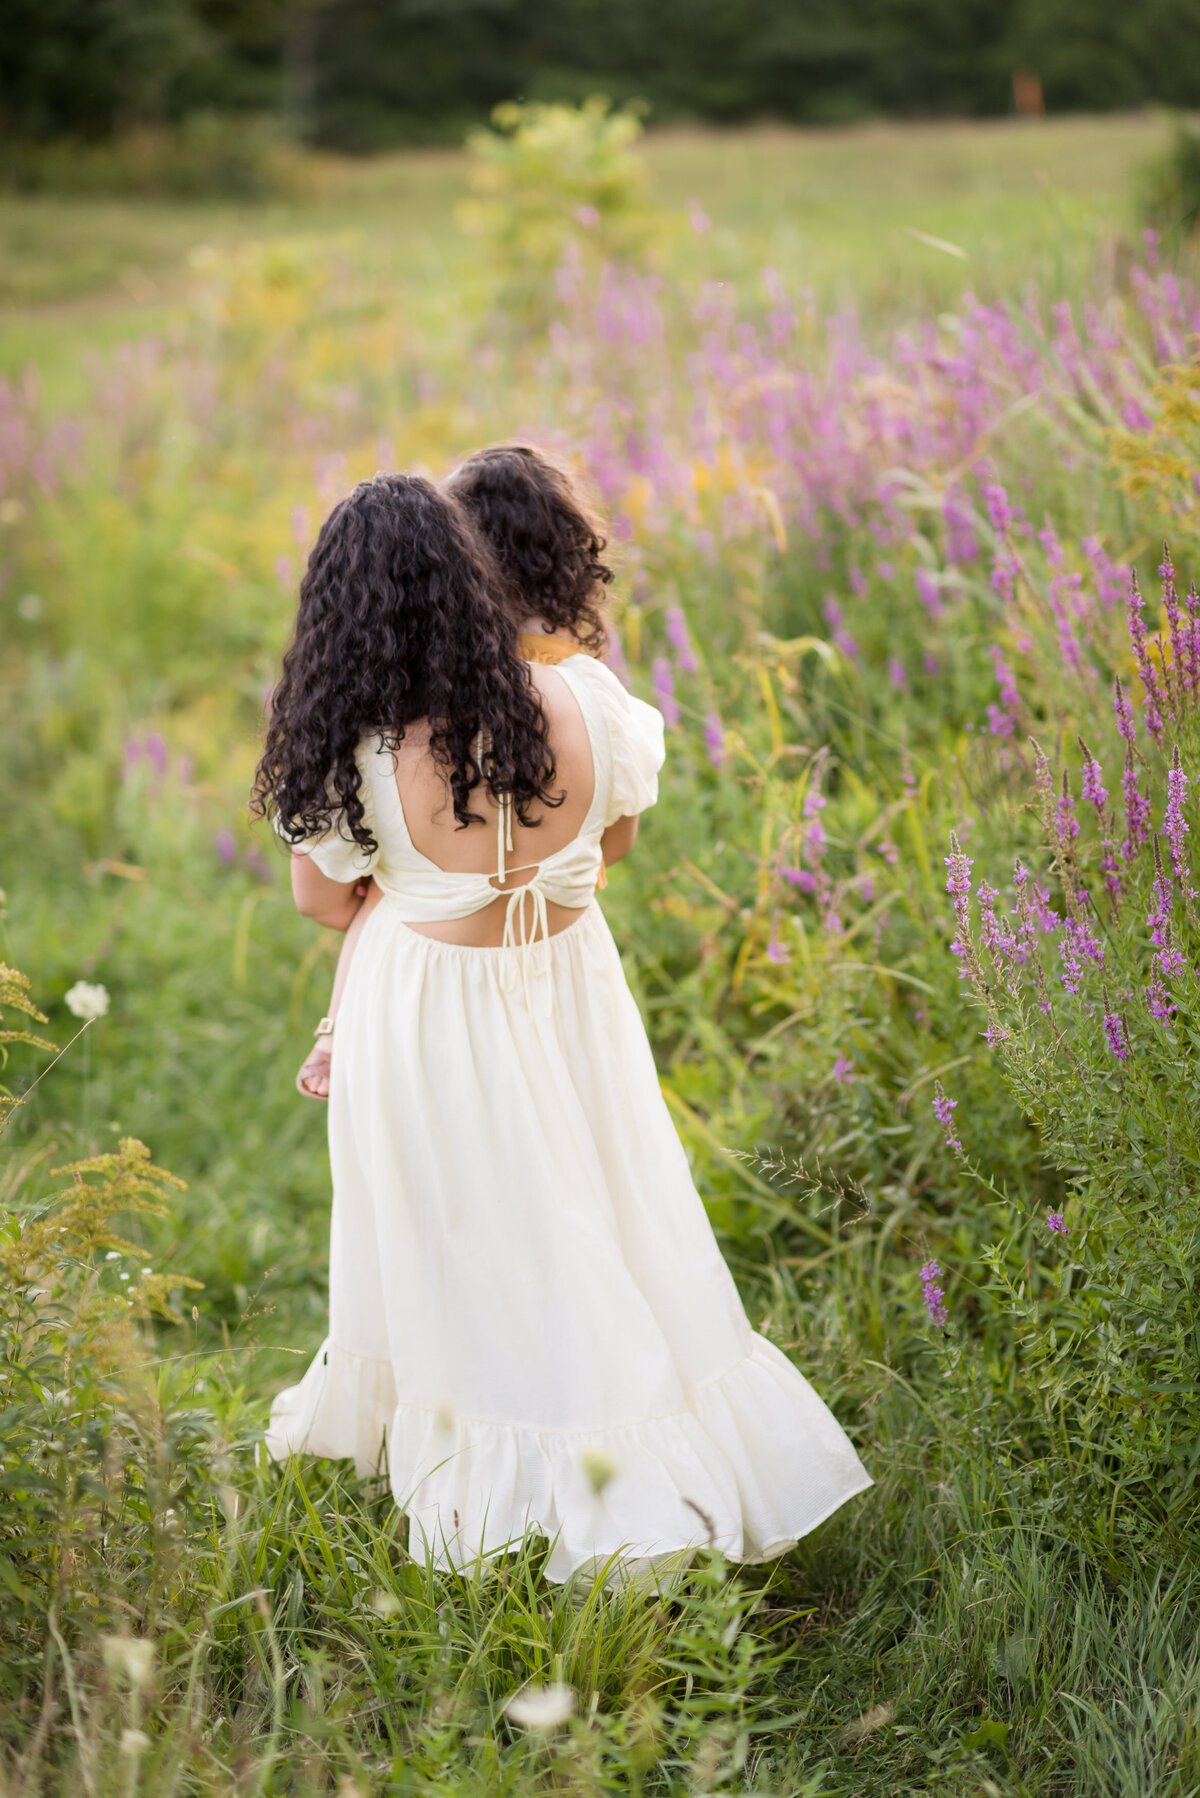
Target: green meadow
798,369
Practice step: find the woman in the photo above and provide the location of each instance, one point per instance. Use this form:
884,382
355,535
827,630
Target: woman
530,1321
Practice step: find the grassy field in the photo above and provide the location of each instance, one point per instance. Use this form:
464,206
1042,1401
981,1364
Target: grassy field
890,494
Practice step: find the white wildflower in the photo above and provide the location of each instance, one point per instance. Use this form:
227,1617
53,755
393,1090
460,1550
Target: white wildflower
599,1469
131,1656
87,1001
541,1707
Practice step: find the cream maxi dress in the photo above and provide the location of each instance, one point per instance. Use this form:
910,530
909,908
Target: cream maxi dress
531,1326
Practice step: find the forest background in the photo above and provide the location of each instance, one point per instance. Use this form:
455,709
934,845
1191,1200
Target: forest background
886,420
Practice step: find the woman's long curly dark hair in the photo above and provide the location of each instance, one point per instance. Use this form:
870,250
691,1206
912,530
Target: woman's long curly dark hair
400,619
545,539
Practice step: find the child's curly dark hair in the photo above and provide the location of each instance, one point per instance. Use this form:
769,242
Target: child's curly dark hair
401,618
545,539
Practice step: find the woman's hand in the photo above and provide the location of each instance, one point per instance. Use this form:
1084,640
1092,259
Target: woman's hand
334,903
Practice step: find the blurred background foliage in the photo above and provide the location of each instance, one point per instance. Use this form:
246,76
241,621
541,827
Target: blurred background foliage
364,74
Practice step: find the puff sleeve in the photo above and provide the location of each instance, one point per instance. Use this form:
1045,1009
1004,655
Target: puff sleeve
337,855
635,736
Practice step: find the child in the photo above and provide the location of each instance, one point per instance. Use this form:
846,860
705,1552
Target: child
546,547
530,1323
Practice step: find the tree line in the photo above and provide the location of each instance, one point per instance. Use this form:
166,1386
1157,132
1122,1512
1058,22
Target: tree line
360,74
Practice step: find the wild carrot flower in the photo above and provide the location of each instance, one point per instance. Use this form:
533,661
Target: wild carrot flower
1057,1222
931,1291
714,739
943,1111
663,683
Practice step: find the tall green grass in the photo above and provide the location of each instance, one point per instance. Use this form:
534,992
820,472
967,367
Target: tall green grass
180,1616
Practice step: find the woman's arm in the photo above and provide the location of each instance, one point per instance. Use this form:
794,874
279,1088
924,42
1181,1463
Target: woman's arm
374,895
333,903
618,840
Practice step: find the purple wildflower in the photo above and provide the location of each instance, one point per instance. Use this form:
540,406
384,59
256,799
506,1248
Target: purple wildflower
1078,947
994,1034
1175,825
930,663
943,1111
285,571
663,682
998,509
1116,1035
1068,823
1124,713
932,1293
157,753
898,674
858,582
587,216
929,593
1137,809
1154,701
1057,1222
1093,780
680,641
225,847
842,1071
1169,960
958,885
802,878
714,739
777,951
259,866
1159,1003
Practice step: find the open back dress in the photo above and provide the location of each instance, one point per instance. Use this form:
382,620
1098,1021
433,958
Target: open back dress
531,1327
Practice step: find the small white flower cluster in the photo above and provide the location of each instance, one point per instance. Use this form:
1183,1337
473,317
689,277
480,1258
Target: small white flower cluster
87,1001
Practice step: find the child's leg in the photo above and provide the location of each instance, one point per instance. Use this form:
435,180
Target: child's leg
313,1078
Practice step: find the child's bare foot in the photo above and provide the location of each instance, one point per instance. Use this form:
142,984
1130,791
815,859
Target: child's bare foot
313,1079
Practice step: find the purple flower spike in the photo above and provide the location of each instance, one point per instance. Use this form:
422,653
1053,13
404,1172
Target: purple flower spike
777,951
1124,713
1137,809
932,1293
1057,1222
929,593
1092,780
681,643
225,847
1116,1035
157,753
714,739
943,1111
898,674
998,509
663,682
842,1071
1175,825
